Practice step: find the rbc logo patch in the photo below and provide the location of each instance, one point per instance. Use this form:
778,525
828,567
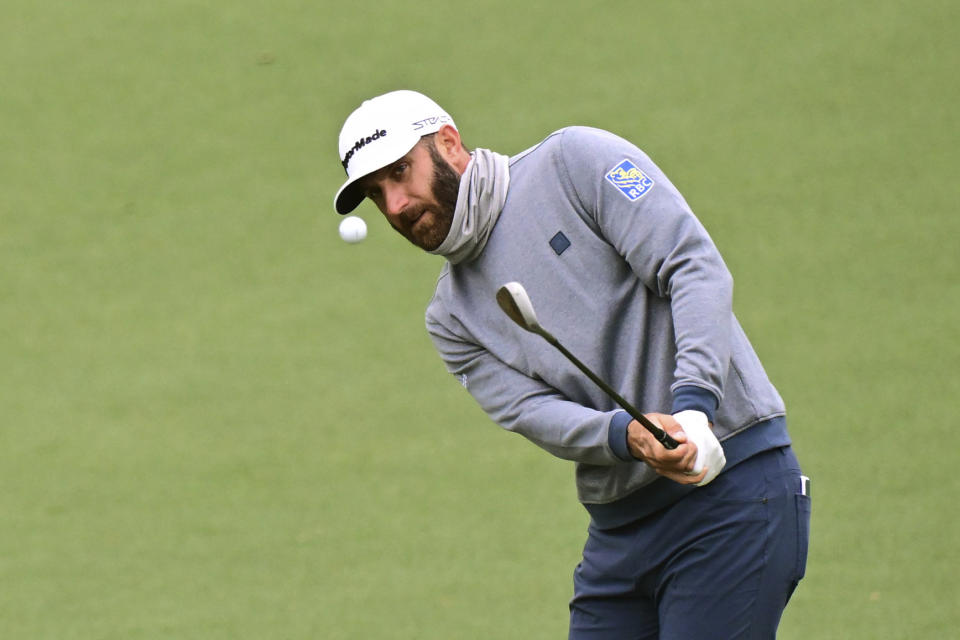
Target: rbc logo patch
628,178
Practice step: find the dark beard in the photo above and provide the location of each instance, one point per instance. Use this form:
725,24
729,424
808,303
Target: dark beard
445,188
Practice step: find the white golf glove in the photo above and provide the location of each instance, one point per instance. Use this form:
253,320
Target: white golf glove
709,451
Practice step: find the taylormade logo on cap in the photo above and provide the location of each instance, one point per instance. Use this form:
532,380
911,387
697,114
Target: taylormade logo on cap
361,143
380,131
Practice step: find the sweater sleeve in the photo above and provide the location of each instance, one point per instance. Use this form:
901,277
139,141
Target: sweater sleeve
634,207
528,406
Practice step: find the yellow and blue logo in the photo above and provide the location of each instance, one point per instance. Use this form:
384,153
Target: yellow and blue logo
630,180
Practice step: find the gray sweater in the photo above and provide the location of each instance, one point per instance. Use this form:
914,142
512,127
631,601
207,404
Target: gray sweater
621,271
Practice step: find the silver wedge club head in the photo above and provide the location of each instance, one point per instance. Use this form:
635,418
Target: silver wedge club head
515,302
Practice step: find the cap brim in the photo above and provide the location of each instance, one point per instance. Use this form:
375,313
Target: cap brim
348,197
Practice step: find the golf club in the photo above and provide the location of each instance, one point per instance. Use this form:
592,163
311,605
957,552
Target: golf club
515,302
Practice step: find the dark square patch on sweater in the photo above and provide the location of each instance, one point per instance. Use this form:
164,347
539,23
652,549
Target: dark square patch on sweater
559,243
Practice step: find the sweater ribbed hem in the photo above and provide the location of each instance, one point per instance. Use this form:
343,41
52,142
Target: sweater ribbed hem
662,492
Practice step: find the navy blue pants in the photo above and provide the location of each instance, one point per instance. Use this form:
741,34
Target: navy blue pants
719,563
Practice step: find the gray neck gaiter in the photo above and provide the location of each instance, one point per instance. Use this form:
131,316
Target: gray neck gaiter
483,190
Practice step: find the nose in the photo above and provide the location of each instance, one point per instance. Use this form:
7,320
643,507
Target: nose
395,200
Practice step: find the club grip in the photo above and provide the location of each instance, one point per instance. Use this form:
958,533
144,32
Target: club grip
662,436
666,440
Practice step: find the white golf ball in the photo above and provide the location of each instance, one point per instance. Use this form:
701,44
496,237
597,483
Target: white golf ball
353,229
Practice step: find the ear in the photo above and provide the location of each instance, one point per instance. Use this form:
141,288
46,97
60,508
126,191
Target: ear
451,148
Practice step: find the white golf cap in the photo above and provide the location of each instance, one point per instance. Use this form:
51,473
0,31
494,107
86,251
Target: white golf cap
380,131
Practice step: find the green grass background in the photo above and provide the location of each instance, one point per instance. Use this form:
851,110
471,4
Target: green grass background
217,420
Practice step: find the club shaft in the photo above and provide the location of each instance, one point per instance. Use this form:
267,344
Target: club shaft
662,436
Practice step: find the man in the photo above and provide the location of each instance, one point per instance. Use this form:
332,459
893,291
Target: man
707,540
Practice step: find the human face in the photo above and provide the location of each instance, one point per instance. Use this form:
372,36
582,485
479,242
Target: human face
417,194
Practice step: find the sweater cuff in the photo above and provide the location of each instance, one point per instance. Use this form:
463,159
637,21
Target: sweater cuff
617,436
696,398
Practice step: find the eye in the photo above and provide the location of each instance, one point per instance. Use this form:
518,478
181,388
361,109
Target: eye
399,169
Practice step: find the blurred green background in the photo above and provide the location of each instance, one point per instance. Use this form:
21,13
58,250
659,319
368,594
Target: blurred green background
217,420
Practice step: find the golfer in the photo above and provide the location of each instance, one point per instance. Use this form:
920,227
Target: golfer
707,540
